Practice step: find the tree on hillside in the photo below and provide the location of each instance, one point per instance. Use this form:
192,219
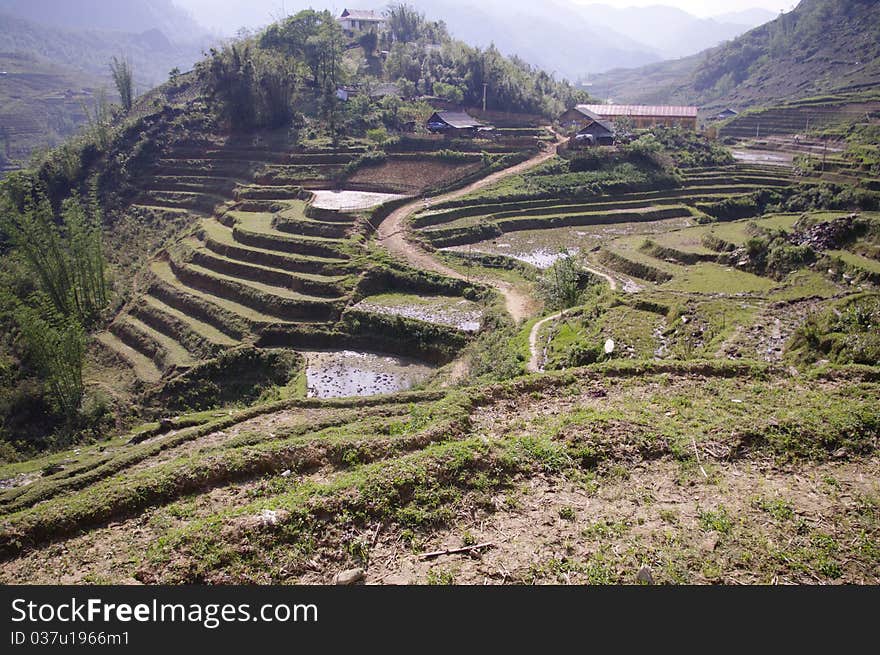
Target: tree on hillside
251,87
405,22
124,81
55,346
561,285
63,257
369,40
313,39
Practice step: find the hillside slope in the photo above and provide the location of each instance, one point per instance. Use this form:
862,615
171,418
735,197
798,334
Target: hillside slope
131,16
53,69
819,47
41,103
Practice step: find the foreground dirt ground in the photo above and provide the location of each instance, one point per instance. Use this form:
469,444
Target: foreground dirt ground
573,481
733,528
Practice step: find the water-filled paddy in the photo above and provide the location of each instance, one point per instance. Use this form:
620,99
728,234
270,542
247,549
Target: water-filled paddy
541,248
351,200
440,310
341,374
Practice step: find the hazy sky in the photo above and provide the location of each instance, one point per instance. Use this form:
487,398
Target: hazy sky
227,15
701,7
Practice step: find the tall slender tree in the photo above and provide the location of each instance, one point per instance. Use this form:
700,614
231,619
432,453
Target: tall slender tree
124,81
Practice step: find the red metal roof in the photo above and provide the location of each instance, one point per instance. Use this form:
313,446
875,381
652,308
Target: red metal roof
666,111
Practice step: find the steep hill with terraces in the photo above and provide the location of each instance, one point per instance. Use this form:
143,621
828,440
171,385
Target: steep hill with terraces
266,261
339,348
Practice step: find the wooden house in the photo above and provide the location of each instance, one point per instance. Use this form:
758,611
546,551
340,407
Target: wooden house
641,116
724,115
577,118
454,124
359,20
596,133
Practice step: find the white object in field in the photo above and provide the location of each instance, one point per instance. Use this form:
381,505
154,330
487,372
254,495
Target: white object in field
609,346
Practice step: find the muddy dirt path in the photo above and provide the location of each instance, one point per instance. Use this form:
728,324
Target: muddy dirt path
392,233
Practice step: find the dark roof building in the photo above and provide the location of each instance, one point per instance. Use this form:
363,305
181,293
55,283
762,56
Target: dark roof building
385,89
453,122
727,113
577,118
595,133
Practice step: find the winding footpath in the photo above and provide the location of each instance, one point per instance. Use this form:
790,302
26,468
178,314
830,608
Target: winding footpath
536,364
392,234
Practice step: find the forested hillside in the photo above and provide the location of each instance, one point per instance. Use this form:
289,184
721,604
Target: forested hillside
822,46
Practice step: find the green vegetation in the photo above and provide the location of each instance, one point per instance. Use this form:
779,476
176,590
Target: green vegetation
123,78
54,288
845,334
419,468
564,283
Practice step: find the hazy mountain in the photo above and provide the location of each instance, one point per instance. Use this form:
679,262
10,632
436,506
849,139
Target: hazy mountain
566,36
748,17
134,16
555,36
673,32
151,52
55,57
821,46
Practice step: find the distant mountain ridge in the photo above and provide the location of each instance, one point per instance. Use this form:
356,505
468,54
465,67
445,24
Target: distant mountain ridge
671,32
134,16
567,37
56,57
822,46
151,52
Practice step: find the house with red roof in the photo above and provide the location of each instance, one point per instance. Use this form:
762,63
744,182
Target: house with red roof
641,116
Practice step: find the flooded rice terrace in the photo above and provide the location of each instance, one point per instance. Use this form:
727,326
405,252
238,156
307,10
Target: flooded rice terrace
348,201
459,313
541,248
341,374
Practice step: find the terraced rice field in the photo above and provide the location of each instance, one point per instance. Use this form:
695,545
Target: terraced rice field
797,118
266,262
443,310
574,478
475,220
340,374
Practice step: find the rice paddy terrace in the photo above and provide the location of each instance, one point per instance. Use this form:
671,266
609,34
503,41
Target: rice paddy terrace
677,254
480,222
703,452
801,117
276,255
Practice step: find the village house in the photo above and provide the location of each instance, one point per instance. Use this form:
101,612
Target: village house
597,133
724,115
641,116
587,128
454,124
358,20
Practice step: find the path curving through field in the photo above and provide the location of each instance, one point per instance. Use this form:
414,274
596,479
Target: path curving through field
535,365
392,234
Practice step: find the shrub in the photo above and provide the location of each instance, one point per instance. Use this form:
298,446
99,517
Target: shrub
562,284
845,335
